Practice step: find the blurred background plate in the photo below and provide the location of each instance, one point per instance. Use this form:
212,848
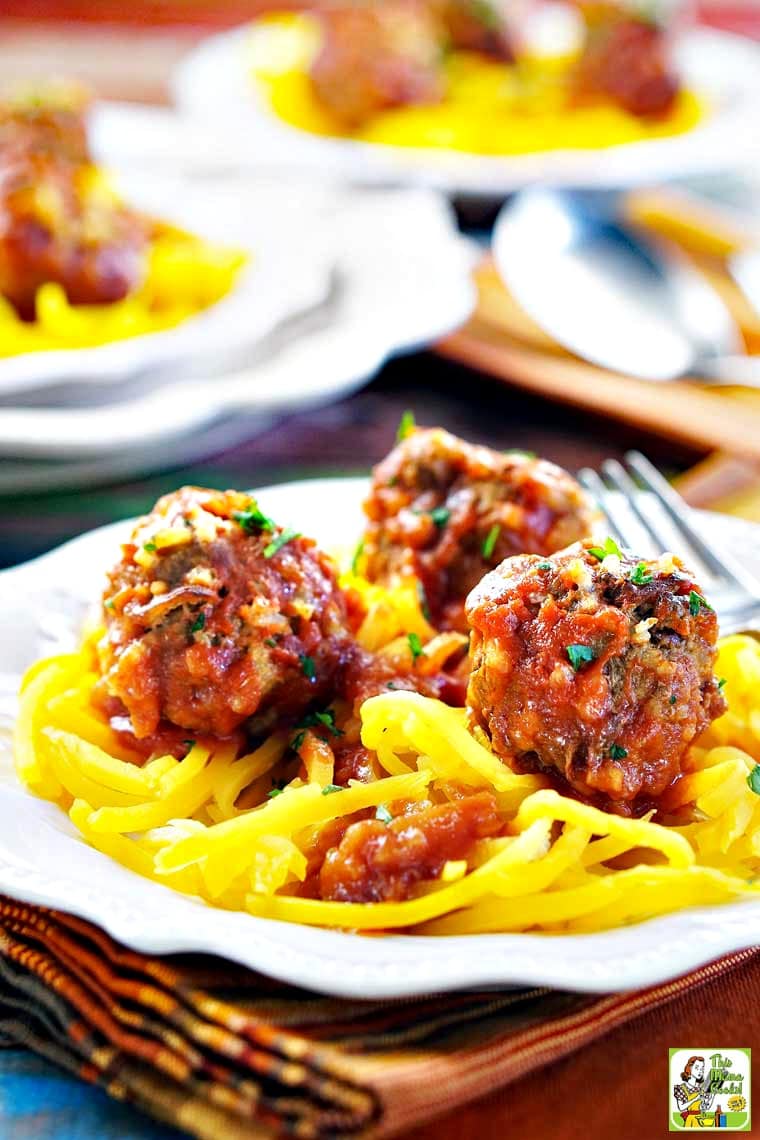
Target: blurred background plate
401,278
288,272
214,83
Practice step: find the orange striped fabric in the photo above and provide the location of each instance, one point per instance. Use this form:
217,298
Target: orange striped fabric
222,1052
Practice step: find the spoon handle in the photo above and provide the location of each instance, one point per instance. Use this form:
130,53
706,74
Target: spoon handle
730,371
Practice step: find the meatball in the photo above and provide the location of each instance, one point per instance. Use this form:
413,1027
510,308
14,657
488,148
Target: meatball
59,223
377,57
477,26
625,59
594,665
50,119
447,511
216,618
59,220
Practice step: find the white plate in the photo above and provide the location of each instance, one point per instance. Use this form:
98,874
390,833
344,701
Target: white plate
42,859
289,271
401,277
214,84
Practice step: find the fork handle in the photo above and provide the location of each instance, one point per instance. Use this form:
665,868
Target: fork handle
729,371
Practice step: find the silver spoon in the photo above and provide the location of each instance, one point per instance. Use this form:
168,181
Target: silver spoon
613,296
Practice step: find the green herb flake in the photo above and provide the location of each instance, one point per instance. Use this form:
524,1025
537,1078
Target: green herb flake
253,520
271,642
390,685
199,623
330,788
722,683
545,566
357,555
406,425
109,604
274,792
383,814
150,547
308,668
489,542
609,547
415,646
189,744
753,780
697,603
298,740
617,752
440,516
641,576
673,699
281,540
580,655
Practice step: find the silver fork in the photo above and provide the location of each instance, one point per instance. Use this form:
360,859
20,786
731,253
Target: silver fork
651,518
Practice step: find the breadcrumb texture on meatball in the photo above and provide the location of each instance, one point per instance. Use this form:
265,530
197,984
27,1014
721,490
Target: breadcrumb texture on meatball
593,666
447,511
215,615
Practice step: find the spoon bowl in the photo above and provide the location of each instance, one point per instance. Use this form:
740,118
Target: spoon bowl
607,292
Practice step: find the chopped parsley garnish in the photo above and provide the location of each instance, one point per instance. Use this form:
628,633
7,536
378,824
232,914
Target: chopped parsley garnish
641,576
330,788
721,683
281,540
489,542
406,425
440,516
150,547
545,566
308,668
422,597
383,814
324,719
415,645
199,623
617,752
753,780
271,642
609,547
252,519
390,685
189,744
274,792
109,604
697,602
673,699
580,655
298,740
357,555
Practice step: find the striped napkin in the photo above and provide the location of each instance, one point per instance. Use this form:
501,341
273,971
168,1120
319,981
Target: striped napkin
219,1051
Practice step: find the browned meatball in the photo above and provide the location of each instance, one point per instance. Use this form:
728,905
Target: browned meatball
48,119
477,26
59,221
376,57
215,615
448,511
57,224
594,666
625,58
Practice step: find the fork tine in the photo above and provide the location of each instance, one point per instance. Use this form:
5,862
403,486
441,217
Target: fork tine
678,511
622,482
607,505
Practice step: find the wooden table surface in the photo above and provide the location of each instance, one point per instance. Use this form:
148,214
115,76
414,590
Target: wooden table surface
580,1097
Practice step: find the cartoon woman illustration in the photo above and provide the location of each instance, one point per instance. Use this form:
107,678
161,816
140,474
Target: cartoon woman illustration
692,1095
